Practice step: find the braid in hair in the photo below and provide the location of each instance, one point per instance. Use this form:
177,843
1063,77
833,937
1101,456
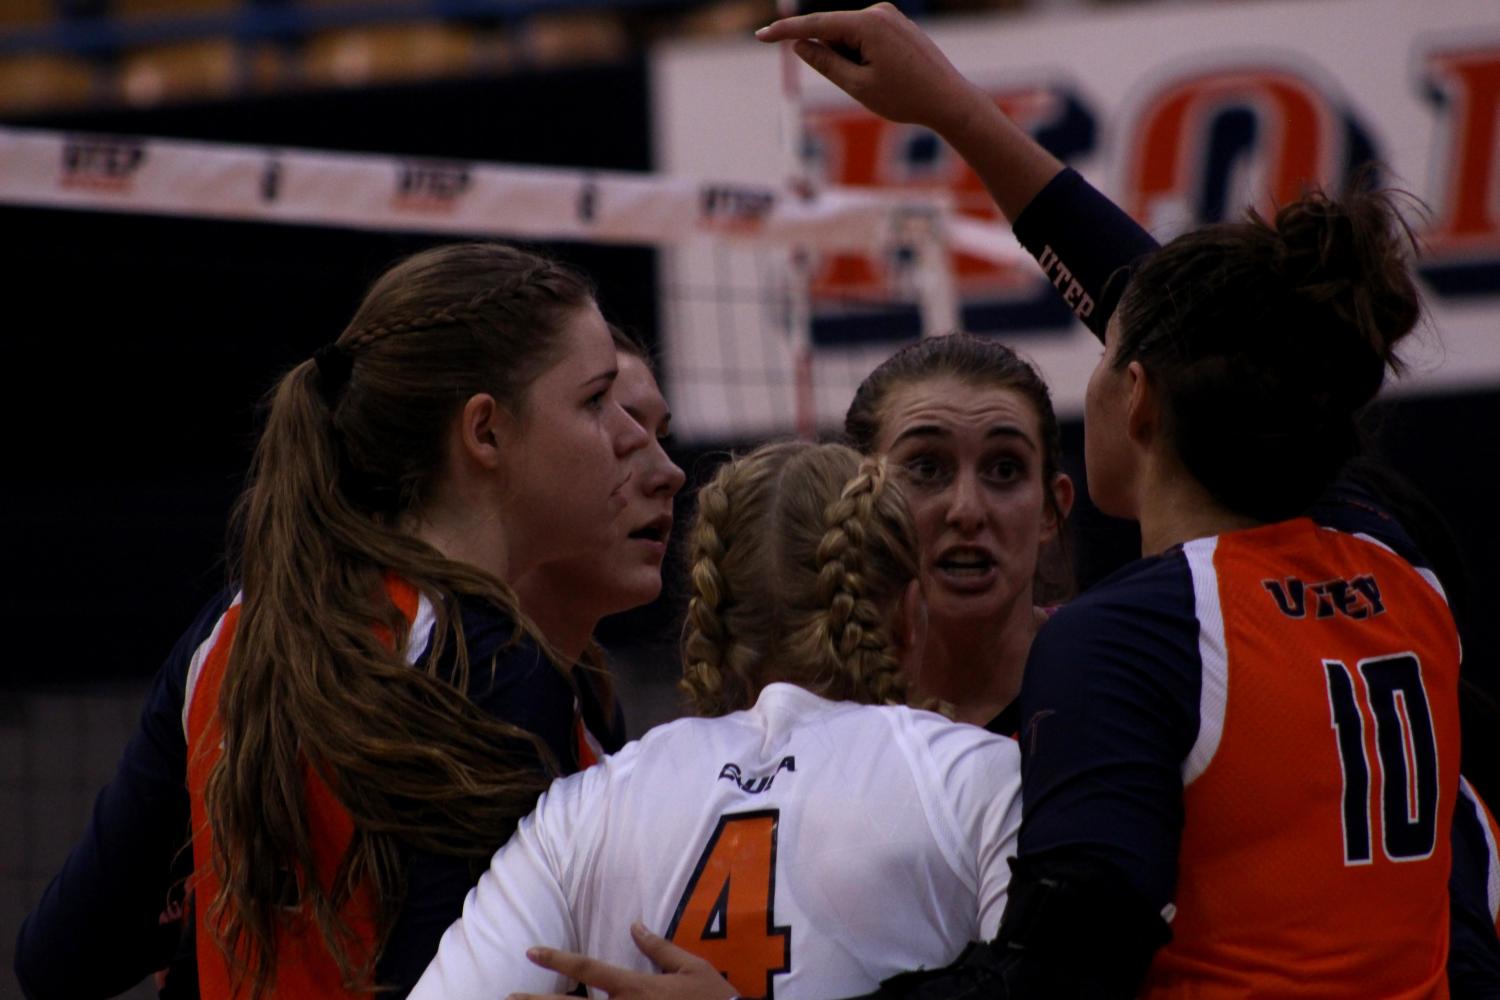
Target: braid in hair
704,638
850,640
469,314
799,552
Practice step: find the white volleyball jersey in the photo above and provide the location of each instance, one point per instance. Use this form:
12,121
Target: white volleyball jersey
807,848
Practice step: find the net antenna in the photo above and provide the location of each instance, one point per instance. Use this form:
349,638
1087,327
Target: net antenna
918,258
800,178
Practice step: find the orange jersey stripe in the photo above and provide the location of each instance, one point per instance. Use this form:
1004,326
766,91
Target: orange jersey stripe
305,968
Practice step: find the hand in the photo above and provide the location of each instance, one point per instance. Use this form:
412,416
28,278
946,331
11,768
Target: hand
881,59
684,976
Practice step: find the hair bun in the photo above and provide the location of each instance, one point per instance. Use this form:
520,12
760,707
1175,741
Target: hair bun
1349,260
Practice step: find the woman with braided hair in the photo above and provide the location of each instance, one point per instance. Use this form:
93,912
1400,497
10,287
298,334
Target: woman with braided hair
811,835
335,746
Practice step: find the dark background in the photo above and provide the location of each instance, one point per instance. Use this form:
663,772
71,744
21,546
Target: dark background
136,348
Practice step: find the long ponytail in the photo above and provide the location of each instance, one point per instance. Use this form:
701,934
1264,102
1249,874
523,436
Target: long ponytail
317,681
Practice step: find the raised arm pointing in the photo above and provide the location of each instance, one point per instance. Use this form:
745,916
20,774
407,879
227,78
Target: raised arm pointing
884,61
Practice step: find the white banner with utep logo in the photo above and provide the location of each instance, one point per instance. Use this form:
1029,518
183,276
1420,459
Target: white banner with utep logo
365,191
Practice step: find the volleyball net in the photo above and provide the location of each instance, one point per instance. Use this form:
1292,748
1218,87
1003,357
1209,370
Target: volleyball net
738,262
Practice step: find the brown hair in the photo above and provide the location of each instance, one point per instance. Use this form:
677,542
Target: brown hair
1267,338
798,554
632,345
980,361
350,449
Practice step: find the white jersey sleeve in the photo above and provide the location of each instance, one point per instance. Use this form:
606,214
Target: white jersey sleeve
973,793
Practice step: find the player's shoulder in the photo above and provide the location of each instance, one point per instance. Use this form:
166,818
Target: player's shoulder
1135,599
674,748
1134,634
1374,502
971,765
874,727
1472,816
942,735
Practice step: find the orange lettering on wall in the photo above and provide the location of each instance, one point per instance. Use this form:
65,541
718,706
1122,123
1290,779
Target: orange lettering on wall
1468,217
1167,161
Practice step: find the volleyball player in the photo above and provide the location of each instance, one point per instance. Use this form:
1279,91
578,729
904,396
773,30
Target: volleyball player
808,838
969,427
324,760
1251,733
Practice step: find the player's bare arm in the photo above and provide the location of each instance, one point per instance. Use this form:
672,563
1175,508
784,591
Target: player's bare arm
884,61
684,976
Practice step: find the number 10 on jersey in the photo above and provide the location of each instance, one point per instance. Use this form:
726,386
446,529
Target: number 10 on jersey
1406,749
725,913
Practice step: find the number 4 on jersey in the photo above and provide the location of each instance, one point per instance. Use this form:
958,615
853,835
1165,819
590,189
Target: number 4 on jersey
725,914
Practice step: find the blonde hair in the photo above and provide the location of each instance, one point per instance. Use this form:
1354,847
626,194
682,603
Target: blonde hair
798,555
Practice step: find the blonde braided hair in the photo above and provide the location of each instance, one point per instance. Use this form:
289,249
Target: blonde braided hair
798,556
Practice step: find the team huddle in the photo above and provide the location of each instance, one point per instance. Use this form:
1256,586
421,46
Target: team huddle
387,760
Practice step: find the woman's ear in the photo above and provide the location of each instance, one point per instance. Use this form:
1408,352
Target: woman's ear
1056,512
482,429
1141,416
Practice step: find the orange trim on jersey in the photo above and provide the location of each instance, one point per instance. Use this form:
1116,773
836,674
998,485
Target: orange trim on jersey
407,600
305,969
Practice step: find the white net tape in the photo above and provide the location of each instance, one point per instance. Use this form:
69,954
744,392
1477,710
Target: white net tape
365,191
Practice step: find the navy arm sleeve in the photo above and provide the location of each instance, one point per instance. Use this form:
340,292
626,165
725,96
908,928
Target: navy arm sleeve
1109,701
102,924
527,690
1085,244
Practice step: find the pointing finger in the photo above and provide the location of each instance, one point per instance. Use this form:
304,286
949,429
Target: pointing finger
839,26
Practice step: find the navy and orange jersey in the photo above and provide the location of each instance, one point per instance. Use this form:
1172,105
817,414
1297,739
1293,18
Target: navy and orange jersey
106,920
305,967
1080,236
1259,731
1474,966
